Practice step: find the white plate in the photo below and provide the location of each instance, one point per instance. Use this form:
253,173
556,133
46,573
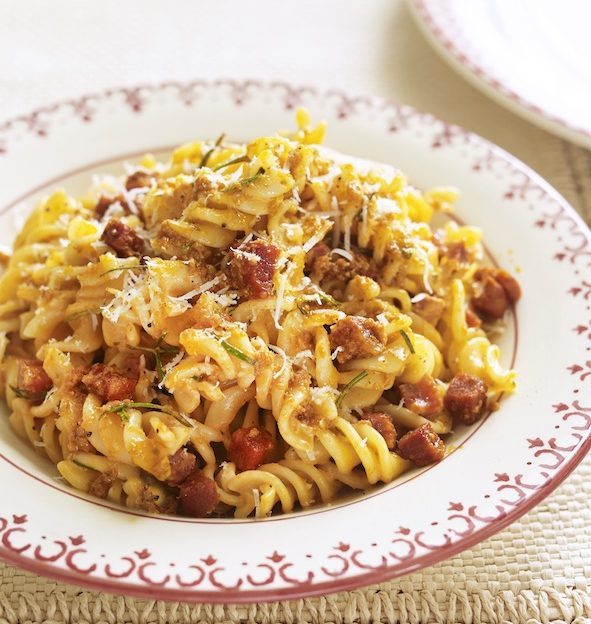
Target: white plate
532,56
502,467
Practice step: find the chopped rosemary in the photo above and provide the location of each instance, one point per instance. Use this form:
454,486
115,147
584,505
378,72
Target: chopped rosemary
408,341
245,181
30,396
79,463
125,268
350,385
234,161
304,307
122,407
158,351
81,313
210,151
236,352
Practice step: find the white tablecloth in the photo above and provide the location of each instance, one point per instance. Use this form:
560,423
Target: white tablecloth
539,568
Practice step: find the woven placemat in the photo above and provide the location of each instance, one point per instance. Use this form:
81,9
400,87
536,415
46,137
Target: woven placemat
537,570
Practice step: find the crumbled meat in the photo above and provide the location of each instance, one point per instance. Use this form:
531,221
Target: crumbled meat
182,464
139,179
31,378
122,239
456,251
323,265
252,267
76,440
423,397
250,447
465,398
422,446
494,291
100,486
198,495
319,250
357,336
382,423
109,383
105,202
429,308
472,319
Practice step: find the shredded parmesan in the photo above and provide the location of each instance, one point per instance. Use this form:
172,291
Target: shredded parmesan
281,352
334,354
418,298
300,357
382,318
257,500
167,368
343,252
336,232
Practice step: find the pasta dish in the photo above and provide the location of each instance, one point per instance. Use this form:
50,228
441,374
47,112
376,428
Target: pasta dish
247,330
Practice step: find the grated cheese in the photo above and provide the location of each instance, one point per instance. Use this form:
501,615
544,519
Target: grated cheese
302,356
281,352
257,500
382,318
343,252
167,368
334,354
418,298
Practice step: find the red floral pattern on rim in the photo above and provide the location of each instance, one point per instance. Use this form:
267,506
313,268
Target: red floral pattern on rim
344,565
441,22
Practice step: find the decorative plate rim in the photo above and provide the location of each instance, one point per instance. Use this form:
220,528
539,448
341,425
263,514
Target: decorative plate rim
484,79
527,495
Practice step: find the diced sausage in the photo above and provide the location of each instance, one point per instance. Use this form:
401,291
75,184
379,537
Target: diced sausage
182,464
494,289
423,397
382,423
319,250
252,267
31,378
139,179
323,265
109,383
250,447
122,239
357,337
466,397
490,299
422,446
472,319
198,495
429,308
509,283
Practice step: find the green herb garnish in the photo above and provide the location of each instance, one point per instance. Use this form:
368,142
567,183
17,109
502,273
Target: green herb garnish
125,268
158,351
408,341
30,396
234,161
236,352
123,407
245,181
81,313
209,152
350,385
79,463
